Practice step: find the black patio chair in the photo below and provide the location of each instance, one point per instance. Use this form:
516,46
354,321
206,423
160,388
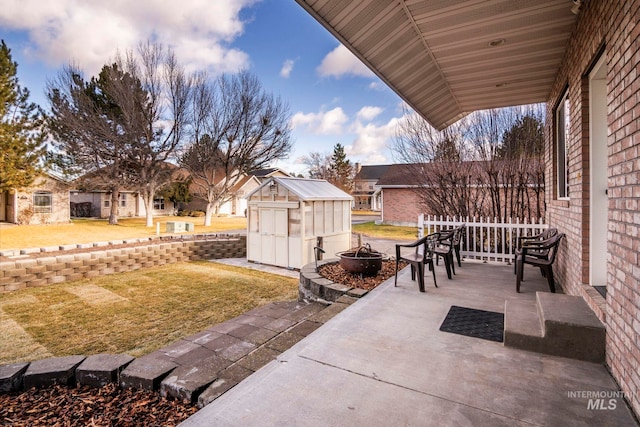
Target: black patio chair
444,249
526,240
456,241
545,264
421,256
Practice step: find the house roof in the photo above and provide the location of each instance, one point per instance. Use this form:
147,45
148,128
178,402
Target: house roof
449,58
307,189
264,173
92,181
371,172
244,181
406,175
401,175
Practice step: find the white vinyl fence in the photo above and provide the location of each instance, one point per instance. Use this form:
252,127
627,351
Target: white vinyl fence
484,238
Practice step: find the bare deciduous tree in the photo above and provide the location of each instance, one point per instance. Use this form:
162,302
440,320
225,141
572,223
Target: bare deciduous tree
509,143
488,164
157,119
435,164
124,125
318,164
237,127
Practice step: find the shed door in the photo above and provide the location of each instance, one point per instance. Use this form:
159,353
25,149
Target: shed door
273,237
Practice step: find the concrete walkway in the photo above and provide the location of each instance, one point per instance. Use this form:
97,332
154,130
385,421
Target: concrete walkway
383,361
242,262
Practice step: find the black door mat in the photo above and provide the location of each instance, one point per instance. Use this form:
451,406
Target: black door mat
487,325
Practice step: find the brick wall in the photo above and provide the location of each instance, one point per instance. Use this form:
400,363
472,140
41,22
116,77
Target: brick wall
44,271
401,206
614,25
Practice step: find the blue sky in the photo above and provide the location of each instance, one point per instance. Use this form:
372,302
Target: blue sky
333,98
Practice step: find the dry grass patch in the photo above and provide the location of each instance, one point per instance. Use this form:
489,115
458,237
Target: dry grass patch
99,230
386,231
135,313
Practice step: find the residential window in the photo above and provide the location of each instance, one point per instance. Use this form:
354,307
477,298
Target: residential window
42,202
107,203
158,204
123,200
562,120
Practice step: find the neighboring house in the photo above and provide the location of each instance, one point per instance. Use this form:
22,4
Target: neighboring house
237,206
581,58
92,198
264,174
45,201
402,188
400,204
97,204
366,192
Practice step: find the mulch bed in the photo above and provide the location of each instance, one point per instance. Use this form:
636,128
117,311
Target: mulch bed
91,406
337,274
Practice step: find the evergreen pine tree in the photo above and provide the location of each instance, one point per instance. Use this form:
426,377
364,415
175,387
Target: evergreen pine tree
341,170
21,134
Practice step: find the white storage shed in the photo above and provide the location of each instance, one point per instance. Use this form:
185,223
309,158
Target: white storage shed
287,215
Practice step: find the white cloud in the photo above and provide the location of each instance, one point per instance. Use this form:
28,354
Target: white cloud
340,61
368,113
88,33
323,123
286,69
372,140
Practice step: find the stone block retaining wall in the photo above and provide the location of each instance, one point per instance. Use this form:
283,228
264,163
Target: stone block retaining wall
315,288
41,271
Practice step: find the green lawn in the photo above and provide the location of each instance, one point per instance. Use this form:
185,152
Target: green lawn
98,230
386,231
135,313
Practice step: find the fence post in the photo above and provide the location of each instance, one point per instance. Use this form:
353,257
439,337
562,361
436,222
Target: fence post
420,226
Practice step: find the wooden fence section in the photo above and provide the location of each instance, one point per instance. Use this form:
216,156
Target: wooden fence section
484,238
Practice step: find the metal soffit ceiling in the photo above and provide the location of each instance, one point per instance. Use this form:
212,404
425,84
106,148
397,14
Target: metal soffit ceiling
447,58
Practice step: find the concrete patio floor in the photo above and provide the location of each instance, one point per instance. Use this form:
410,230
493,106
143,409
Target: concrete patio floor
383,361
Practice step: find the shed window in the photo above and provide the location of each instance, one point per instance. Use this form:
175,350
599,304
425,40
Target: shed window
295,219
254,220
308,219
328,217
562,121
337,217
318,218
42,202
346,215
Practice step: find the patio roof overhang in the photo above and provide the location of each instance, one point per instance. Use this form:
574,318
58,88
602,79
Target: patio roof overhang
448,58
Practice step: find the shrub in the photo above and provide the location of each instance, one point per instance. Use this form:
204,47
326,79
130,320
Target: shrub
25,215
197,213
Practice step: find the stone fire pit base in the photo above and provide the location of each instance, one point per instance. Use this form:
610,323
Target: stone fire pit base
314,287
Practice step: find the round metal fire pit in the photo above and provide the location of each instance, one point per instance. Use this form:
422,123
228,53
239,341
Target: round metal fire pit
361,260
